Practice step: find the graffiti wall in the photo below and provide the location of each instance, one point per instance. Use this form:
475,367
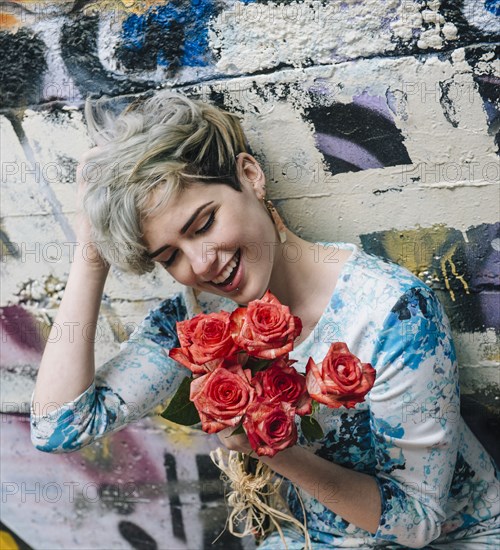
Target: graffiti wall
376,122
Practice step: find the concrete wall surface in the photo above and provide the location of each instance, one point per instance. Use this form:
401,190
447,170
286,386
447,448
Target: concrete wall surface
376,122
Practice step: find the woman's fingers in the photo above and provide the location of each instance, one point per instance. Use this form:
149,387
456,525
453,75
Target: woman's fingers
83,228
234,442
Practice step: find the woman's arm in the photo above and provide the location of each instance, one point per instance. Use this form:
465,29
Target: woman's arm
72,404
352,495
67,365
126,388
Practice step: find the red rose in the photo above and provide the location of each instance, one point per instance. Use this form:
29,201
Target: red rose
205,341
281,382
270,427
340,379
265,328
222,397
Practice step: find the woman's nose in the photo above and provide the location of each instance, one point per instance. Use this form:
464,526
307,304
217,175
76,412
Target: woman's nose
201,258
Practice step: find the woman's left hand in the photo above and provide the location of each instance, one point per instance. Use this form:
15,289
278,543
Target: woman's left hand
238,442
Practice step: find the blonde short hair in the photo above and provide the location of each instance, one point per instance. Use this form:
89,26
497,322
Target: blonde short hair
166,140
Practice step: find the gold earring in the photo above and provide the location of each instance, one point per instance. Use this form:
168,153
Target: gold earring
278,222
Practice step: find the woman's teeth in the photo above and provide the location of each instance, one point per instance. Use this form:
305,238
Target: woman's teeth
227,271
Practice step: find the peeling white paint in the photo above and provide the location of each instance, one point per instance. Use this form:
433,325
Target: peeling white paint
295,32
58,142
414,17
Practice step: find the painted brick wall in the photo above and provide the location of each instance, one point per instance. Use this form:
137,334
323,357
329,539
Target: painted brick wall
376,123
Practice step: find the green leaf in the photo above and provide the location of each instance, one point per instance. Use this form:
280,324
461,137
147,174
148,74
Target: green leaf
257,365
181,409
239,430
315,406
310,428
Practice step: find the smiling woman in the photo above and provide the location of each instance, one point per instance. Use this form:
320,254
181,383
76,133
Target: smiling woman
211,251
176,184
154,151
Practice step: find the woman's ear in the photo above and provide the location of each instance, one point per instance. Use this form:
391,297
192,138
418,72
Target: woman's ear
250,173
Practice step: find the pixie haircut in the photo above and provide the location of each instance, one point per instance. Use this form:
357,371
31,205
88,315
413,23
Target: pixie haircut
166,142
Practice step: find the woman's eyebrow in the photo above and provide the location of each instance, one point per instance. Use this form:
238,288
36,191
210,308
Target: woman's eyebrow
183,230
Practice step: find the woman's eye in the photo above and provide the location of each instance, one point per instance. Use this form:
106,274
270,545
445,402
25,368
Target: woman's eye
210,221
170,261
204,229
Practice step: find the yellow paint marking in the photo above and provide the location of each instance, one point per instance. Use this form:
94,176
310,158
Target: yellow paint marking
97,453
8,21
447,259
137,7
7,542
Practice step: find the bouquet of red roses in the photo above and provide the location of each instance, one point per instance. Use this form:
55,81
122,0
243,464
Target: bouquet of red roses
242,376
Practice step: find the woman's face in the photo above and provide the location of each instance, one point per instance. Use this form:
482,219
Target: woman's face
210,228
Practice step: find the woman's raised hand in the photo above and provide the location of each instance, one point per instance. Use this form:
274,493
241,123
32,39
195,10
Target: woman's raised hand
87,248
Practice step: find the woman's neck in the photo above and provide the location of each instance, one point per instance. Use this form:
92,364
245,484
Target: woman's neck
305,274
306,285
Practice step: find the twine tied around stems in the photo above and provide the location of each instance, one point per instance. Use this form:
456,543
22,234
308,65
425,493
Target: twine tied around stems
255,497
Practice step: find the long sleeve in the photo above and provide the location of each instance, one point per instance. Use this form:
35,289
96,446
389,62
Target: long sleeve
414,418
126,388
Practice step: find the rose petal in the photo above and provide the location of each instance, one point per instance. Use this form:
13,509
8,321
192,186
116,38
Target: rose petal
341,379
270,427
222,396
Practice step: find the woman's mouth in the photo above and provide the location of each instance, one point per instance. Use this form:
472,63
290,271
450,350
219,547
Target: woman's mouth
232,273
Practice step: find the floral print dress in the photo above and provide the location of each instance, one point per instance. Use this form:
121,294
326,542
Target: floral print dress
439,487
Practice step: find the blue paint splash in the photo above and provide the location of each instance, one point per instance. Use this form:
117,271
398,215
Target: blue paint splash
173,35
493,6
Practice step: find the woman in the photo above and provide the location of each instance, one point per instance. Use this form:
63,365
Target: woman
173,181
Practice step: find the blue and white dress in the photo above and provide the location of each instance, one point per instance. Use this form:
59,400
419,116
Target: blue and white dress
439,487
